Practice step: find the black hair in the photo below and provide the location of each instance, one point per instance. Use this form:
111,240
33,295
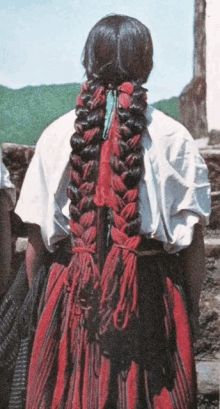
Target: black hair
118,48
117,55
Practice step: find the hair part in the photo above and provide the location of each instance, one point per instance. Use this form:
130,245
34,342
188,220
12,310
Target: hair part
118,49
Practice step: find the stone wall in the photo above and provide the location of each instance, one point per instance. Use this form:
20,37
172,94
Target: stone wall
192,108
213,68
200,39
212,158
192,101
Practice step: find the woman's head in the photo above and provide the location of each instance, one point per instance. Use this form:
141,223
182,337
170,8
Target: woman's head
118,48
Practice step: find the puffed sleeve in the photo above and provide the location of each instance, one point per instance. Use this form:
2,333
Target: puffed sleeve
32,206
184,189
43,199
181,187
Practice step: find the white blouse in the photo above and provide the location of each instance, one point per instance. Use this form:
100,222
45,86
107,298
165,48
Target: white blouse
174,192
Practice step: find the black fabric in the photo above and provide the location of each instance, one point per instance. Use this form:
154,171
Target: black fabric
18,319
9,332
156,349
145,341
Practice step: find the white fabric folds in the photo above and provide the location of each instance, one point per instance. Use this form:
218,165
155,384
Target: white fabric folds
174,193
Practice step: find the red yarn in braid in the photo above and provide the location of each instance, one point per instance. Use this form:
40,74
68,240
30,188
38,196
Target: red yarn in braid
123,200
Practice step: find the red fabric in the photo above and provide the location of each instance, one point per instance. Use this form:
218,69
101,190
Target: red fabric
42,356
132,386
163,401
94,374
183,334
183,395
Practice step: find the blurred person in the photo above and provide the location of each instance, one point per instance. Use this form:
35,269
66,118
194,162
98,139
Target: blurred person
7,203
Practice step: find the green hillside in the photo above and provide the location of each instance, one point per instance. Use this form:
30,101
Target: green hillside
25,113
169,107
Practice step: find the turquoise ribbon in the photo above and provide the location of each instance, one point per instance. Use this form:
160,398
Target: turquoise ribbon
110,106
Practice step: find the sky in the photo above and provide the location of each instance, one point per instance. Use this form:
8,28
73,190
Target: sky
41,42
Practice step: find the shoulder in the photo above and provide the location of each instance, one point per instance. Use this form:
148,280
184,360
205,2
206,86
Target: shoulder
57,131
164,127
169,136
53,145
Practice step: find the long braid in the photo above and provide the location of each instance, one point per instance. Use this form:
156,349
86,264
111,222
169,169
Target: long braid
119,277
84,161
82,277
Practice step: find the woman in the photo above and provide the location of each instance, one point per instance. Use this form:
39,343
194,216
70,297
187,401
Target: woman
114,331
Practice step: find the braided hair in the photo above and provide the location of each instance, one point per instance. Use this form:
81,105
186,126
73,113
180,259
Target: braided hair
117,56
84,164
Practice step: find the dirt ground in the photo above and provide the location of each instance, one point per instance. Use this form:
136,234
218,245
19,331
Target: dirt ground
208,344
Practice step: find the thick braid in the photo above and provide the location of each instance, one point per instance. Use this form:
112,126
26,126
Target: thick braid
84,162
119,278
132,103
81,278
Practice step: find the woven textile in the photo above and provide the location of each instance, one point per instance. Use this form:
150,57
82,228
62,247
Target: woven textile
18,318
148,366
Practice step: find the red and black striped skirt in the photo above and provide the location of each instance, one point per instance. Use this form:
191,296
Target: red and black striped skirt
149,365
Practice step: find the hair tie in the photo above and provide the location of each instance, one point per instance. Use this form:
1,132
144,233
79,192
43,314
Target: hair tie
125,92
127,88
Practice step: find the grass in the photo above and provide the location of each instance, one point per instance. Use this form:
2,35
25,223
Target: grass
25,113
